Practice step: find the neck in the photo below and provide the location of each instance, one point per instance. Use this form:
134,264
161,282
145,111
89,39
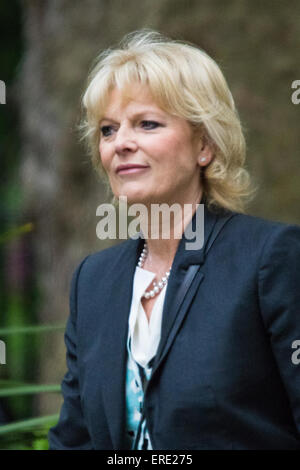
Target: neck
162,248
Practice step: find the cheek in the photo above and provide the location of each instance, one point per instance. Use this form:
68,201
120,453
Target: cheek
104,156
164,149
174,152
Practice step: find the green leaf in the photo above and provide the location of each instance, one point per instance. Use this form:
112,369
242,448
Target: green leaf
30,329
16,232
40,444
29,389
29,424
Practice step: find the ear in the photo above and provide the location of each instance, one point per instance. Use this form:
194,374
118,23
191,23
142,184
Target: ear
205,154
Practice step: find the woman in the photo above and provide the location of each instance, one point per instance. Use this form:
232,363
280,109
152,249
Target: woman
168,346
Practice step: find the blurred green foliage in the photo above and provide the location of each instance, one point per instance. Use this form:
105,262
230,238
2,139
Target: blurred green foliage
26,434
16,303
29,434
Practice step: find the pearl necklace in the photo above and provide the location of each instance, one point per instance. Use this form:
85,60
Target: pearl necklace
157,286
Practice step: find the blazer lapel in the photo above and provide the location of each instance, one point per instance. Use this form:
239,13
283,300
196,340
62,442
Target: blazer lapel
185,278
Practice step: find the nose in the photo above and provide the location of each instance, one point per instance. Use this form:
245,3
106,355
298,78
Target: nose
125,140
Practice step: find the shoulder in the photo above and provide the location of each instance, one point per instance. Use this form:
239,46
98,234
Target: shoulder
261,230
108,254
104,261
262,238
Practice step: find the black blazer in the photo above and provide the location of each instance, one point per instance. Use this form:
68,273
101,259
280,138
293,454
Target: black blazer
223,376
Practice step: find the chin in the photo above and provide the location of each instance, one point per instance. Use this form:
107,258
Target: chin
135,196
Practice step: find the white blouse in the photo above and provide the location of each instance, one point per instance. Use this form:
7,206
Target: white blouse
145,335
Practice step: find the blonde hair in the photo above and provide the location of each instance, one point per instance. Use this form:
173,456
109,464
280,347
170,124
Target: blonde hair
185,82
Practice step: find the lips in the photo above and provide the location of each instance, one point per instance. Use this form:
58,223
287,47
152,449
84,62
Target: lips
130,167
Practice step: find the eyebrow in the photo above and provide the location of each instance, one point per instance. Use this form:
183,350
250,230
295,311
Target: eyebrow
135,116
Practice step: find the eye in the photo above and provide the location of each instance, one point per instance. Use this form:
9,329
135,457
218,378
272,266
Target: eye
150,125
106,130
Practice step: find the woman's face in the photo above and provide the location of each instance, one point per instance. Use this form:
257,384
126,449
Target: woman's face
148,154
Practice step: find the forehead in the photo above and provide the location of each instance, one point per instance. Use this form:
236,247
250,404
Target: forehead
136,98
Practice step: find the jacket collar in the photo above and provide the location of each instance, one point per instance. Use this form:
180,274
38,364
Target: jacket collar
185,256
